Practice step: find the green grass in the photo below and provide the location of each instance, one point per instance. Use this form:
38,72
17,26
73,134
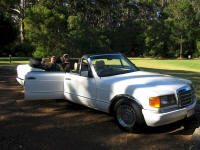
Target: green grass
188,65
5,61
14,59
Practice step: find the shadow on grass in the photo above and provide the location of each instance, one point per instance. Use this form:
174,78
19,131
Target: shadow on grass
193,76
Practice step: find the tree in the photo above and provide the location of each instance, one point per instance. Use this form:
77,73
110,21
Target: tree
16,9
46,28
8,33
181,15
145,27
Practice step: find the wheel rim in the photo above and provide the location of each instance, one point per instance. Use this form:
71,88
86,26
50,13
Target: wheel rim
126,116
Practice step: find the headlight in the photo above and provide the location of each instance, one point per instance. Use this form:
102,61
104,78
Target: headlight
162,101
154,102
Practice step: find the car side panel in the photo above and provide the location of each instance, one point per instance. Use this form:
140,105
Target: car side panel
22,70
80,89
44,85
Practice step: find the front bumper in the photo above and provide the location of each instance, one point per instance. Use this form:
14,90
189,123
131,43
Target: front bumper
154,119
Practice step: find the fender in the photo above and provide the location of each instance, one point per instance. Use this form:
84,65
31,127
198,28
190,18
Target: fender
120,96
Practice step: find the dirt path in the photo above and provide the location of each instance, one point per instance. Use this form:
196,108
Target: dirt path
59,124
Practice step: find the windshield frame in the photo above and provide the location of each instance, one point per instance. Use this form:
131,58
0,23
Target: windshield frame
121,57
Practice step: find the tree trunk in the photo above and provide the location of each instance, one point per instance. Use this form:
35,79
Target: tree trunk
21,29
163,3
21,21
181,47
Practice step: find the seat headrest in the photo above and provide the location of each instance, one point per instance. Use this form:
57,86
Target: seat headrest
99,64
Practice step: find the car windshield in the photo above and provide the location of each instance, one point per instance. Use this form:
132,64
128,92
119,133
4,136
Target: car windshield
112,64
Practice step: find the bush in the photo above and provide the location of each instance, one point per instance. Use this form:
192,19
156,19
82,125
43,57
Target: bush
22,49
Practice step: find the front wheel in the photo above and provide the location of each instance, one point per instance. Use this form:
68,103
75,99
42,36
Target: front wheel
128,115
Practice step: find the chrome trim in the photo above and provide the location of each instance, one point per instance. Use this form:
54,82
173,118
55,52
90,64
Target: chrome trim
105,55
182,96
187,88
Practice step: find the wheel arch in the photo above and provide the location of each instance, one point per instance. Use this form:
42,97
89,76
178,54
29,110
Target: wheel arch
125,97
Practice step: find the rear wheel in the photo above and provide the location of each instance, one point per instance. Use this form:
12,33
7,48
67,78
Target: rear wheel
128,115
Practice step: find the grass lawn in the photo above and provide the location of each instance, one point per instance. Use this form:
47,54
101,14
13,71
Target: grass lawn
173,64
188,69
4,61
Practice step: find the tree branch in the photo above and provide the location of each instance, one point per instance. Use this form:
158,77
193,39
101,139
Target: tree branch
16,10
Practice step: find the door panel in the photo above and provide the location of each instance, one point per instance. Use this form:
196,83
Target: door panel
80,89
44,85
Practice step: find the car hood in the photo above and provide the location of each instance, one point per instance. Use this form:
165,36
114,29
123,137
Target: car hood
144,83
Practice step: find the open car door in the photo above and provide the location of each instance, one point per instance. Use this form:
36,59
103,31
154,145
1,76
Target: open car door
44,85
80,86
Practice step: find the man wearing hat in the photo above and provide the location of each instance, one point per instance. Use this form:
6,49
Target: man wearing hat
66,63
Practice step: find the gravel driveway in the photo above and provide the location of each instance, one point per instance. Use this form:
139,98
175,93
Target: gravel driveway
61,125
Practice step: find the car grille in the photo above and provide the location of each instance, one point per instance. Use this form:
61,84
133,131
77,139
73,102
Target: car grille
185,97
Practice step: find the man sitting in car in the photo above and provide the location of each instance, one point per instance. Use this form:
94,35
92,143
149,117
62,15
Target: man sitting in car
66,63
53,65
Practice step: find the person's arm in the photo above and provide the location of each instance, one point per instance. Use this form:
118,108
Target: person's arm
57,67
50,68
67,67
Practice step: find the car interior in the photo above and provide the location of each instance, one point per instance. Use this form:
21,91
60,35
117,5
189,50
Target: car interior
39,62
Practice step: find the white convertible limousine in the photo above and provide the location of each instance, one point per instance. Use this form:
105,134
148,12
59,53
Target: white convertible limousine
112,84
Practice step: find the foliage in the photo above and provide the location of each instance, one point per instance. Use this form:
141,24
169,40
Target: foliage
82,37
46,29
139,28
181,15
8,33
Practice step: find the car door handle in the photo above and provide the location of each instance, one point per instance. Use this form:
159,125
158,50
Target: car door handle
31,78
67,79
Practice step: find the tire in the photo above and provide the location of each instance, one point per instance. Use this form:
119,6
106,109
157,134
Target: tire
128,115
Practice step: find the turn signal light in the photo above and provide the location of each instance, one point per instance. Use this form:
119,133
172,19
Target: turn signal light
154,102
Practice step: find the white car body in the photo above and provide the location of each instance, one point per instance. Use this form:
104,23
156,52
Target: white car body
99,92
